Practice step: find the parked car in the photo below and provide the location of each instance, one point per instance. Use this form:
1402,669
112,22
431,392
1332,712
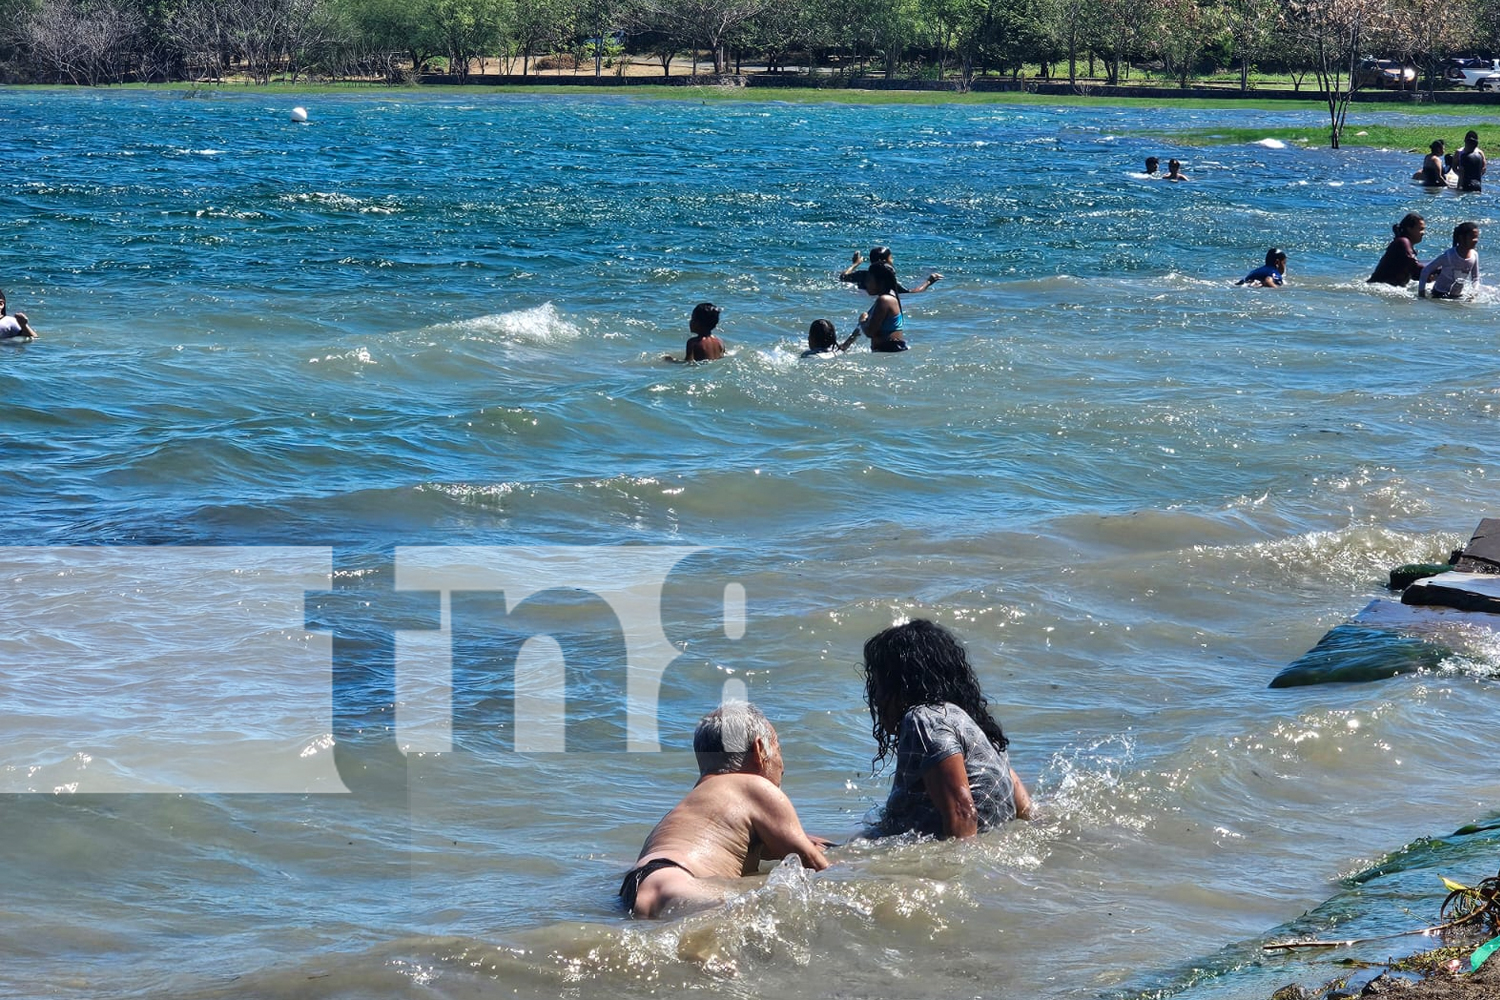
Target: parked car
1490,83
1385,73
1470,72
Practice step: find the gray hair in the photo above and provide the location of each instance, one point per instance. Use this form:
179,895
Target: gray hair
724,738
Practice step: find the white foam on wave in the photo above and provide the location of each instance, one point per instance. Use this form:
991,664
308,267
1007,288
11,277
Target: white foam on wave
1269,143
541,324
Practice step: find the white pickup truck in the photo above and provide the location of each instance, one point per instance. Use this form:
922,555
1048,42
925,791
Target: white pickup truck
1481,74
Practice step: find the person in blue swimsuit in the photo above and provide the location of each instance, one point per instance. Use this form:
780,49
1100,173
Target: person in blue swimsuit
884,320
1272,274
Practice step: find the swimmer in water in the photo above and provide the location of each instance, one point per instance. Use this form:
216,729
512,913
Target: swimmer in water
1455,269
1174,171
884,320
734,816
703,345
883,255
1271,274
15,327
1471,163
1400,264
823,340
1153,166
1434,172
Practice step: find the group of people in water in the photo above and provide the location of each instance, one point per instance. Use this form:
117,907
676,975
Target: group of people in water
953,776
1453,272
1463,170
882,323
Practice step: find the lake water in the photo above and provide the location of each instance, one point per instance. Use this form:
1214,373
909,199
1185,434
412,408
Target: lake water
368,570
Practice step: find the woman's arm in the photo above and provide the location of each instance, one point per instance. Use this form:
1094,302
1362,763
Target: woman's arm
1021,795
947,784
853,266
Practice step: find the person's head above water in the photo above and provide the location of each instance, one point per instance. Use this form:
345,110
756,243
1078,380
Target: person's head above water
1466,235
881,279
1411,226
735,738
2,303
1276,258
1437,147
1471,139
821,336
921,663
1152,164
705,318
881,255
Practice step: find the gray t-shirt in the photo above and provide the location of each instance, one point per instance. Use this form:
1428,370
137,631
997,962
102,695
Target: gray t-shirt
928,735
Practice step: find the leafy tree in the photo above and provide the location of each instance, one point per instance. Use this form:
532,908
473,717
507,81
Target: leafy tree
1121,27
1252,25
1184,29
466,29
535,29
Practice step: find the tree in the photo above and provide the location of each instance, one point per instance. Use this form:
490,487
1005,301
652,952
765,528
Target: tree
83,41
1427,32
704,22
1025,31
1183,29
465,29
536,28
1120,27
1337,33
1251,25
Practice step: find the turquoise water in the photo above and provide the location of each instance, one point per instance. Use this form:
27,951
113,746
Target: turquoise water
1137,492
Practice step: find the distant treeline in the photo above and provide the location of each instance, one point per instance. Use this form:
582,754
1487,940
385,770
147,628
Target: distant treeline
110,41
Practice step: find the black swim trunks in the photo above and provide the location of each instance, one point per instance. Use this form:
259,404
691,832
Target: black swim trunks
636,876
887,346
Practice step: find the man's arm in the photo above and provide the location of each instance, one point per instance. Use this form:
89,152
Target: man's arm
947,784
780,831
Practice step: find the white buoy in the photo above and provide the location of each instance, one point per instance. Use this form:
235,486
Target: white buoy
299,114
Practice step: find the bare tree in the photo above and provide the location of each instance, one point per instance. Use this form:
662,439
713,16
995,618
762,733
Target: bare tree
704,22
1338,33
82,41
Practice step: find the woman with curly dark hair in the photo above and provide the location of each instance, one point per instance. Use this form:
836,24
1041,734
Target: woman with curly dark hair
953,776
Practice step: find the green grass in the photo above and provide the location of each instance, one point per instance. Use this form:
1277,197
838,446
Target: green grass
1413,138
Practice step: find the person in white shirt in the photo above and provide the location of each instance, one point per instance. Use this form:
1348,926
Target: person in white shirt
14,327
1455,269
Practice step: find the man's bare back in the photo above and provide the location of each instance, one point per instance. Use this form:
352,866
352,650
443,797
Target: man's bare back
722,828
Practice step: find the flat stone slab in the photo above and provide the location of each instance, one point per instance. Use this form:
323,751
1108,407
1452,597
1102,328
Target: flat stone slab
1459,590
1482,554
1387,639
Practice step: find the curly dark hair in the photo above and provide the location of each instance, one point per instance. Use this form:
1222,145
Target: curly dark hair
920,663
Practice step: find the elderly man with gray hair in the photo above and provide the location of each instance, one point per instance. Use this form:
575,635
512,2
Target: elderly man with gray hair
733,816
